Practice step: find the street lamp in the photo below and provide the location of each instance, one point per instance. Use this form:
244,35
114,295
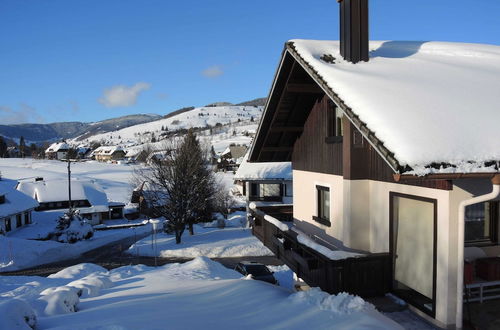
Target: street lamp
155,223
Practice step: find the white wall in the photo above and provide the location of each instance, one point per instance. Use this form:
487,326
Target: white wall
13,221
360,213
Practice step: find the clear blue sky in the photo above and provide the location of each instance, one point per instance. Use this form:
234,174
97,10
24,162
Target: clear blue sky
65,60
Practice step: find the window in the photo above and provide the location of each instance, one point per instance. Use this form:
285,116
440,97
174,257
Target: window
323,211
335,128
27,219
8,226
288,189
19,222
2,199
266,192
481,223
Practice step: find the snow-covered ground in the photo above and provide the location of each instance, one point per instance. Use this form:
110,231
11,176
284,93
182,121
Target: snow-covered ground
197,294
234,241
114,179
17,251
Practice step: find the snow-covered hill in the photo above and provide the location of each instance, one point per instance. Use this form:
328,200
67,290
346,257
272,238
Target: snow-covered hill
217,125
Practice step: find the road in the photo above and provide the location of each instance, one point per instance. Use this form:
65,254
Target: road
111,256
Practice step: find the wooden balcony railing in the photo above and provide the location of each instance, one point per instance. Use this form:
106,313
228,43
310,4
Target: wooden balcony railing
366,276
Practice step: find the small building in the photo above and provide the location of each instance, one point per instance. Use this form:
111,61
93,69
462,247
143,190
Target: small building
89,199
231,158
134,155
268,186
108,153
15,207
158,157
58,150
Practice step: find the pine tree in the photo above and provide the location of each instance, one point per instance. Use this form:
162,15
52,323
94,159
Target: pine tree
22,147
3,147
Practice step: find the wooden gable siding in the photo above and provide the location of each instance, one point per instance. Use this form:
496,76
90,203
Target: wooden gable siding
354,158
311,152
362,161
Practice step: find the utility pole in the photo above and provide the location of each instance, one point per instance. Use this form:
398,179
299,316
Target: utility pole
70,208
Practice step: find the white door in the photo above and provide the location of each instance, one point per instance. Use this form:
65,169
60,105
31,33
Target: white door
414,244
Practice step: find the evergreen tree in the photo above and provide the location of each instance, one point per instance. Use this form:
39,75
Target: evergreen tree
3,147
22,147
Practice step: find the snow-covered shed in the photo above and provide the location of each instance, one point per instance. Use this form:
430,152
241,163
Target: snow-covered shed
231,157
268,185
389,154
15,207
86,196
57,150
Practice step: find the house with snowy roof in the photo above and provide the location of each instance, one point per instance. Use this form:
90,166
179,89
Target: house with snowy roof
15,207
86,197
108,153
268,186
231,157
395,151
58,150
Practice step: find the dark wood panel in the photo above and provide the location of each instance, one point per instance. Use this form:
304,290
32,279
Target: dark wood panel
311,152
366,163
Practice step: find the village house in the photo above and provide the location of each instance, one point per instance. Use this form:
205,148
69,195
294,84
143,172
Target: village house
395,167
231,157
136,155
15,207
86,197
108,153
58,150
268,186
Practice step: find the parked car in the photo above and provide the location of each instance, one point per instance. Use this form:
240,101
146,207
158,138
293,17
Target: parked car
257,270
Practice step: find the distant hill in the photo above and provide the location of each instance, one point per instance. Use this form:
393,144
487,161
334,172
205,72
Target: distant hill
64,130
38,133
255,103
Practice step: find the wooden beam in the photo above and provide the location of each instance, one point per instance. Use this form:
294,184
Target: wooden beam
292,129
264,149
304,88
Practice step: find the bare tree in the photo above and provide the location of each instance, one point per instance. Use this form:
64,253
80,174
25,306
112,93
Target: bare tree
181,187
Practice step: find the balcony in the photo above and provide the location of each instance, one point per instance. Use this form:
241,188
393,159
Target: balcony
366,276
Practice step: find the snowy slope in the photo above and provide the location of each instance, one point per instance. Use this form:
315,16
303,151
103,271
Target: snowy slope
201,117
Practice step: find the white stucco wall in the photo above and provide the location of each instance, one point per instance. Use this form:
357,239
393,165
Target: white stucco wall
360,213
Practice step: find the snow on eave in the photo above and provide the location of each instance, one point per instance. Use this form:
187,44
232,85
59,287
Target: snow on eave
370,136
263,171
431,108
15,201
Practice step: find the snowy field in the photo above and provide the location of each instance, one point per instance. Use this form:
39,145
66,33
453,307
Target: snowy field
18,252
114,179
232,241
194,295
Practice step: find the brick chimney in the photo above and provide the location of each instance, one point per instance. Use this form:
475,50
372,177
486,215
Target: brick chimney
354,30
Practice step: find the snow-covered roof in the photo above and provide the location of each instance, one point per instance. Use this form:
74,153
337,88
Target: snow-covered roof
428,102
58,146
107,150
263,171
15,201
57,190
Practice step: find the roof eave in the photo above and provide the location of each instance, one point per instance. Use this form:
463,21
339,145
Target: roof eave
369,135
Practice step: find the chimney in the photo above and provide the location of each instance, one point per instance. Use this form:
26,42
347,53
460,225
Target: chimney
354,30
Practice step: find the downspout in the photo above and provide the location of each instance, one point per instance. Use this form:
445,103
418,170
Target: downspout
460,248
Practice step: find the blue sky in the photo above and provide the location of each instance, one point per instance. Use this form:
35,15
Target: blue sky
72,60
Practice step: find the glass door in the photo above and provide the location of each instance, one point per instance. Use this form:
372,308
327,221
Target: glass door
414,249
